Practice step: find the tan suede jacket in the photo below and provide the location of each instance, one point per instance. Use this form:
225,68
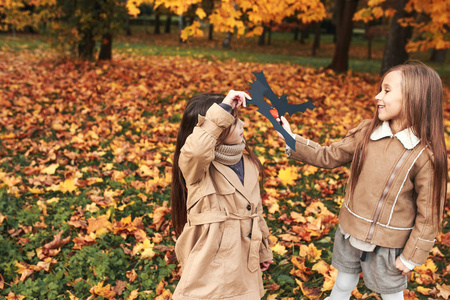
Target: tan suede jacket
226,236
392,202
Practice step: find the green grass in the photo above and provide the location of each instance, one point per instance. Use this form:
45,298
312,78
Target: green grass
281,50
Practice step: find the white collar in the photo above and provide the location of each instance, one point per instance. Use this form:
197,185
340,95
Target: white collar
406,136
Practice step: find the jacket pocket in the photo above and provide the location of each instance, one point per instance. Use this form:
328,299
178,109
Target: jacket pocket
224,244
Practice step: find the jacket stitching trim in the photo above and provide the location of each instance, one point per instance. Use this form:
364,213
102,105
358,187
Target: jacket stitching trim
371,221
401,187
427,240
358,216
395,228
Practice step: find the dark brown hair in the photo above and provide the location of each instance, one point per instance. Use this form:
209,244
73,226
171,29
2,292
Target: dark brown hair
197,105
422,95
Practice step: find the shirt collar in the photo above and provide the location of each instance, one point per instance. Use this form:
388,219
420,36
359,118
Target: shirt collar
408,139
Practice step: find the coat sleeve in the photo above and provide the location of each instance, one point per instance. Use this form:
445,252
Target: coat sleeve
426,226
198,151
335,155
265,253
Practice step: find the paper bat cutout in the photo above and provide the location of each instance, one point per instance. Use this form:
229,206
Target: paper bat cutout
261,88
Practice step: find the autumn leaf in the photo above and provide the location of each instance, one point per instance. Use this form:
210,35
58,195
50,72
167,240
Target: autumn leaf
288,175
12,296
103,291
57,241
99,225
444,290
279,249
133,295
50,170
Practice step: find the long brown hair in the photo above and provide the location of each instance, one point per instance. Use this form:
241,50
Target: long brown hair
197,105
422,95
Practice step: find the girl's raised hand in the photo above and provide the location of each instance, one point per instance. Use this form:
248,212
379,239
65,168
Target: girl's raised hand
285,125
236,99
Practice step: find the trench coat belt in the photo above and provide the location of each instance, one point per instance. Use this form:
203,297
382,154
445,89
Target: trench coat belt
209,217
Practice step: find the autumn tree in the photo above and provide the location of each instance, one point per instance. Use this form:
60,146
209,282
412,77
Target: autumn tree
416,25
344,11
239,17
74,24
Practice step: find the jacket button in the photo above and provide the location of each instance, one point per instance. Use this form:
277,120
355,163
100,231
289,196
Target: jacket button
249,235
249,207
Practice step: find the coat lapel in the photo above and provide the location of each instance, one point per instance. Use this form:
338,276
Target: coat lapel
250,177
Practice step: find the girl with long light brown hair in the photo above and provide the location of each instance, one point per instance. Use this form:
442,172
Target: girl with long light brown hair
393,206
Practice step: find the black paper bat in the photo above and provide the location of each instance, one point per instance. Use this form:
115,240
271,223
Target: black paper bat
261,88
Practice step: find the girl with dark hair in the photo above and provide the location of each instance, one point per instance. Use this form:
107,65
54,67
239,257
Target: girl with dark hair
223,240
393,206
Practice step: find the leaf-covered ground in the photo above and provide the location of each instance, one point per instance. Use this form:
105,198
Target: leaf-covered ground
85,164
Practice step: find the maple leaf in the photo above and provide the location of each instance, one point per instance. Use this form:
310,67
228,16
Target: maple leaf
50,170
310,292
99,225
133,295
310,252
279,249
25,270
444,290
103,291
12,296
120,287
131,275
288,175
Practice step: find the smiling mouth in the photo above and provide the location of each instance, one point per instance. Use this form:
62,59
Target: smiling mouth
380,107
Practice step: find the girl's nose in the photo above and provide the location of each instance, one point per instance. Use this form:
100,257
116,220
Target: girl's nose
378,97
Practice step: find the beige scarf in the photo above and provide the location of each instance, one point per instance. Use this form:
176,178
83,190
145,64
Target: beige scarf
229,154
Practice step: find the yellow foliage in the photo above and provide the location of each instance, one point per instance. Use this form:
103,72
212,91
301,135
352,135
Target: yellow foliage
288,175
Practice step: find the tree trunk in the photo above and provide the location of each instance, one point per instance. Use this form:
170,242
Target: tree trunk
262,37
304,34
127,25
157,24
296,33
106,47
227,41
181,25
86,45
344,28
316,43
211,31
438,55
395,52
168,23
269,36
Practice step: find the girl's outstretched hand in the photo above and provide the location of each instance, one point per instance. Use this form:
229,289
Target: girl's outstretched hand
265,265
285,125
236,99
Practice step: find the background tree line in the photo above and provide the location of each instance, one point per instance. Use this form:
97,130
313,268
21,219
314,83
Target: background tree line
413,25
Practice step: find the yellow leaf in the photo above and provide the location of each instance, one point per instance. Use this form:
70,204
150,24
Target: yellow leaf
423,290
310,251
200,13
429,265
133,295
148,249
50,170
68,185
279,249
288,175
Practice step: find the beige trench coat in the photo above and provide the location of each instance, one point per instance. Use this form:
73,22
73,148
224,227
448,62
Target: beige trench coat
226,237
